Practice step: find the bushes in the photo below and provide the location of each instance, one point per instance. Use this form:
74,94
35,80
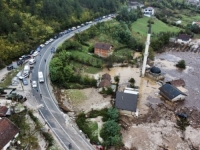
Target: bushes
96,113
181,64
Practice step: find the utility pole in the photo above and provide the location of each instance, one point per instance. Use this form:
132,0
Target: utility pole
146,53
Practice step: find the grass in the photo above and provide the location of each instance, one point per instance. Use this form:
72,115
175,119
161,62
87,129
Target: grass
94,128
86,58
140,26
75,96
87,69
9,76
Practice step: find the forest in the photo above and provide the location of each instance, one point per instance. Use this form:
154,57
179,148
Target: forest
26,24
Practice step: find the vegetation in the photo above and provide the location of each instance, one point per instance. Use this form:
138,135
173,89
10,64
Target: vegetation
26,24
181,64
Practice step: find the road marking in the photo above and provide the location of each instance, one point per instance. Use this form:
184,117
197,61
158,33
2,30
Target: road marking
52,98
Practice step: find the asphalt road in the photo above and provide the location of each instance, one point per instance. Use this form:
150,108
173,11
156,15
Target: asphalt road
53,116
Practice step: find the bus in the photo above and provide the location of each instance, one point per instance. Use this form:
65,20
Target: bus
40,77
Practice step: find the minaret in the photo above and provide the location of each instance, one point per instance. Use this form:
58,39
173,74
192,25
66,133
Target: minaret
146,53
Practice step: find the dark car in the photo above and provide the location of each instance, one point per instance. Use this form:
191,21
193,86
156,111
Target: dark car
24,81
32,51
10,67
25,57
20,62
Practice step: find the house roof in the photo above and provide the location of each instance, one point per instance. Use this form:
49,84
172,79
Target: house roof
3,111
7,131
176,83
184,37
105,83
170,91
126,101
106,76
149,8
103,46
197,23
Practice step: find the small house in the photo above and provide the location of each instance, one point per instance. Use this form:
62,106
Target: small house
126,102
196,23
103,49
183,38
171,93
8,132
149,11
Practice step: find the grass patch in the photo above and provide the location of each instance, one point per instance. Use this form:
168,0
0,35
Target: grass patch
87,69
75,96
9,76
140,26
86,59
94,128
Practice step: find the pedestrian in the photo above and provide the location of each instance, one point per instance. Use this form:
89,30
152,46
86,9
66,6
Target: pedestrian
37,89
30,81
40,95
147,82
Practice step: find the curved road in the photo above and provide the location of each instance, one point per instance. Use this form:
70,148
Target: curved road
50,112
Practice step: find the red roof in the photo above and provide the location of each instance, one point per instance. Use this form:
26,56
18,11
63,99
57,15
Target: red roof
3,110
7,131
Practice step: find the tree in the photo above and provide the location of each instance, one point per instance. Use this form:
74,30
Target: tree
113,114
116,78
110,133
181,64
132,81
68,72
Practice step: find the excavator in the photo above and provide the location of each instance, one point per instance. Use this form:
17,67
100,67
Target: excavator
12,95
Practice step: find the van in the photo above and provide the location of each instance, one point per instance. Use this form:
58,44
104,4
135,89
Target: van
26,69
40,77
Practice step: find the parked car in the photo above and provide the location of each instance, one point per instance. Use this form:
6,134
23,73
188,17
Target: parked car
24,75
34,84
32,61
35,53
42,45
24,81
25,57
20,62
32,51
10,67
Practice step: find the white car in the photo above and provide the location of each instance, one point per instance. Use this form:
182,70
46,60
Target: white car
34,84
35,53
32,61
42,45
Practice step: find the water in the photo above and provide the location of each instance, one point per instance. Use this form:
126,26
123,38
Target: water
191,75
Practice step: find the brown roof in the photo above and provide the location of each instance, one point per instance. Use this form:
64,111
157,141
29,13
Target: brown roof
176,83
3,110
103,46
184,37
104,83
106,76
197,23
7,131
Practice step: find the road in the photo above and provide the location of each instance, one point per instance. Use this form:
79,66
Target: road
53,116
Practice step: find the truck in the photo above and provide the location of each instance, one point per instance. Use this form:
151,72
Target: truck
40,77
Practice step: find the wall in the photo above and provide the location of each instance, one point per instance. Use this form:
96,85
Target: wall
102,53
179,97
184,42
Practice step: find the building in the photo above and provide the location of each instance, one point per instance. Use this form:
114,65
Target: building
154,73
196,23
177,83
126,101
183,39
103,49
8,132
149,11
4,111
171,93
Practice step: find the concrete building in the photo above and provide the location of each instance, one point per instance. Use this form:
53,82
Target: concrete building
149,11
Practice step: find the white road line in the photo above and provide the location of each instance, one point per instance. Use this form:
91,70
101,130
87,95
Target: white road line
54,102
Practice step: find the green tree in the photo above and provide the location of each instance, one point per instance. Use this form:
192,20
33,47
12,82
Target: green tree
110,133
68,72
116,78
64,56
132,81
113,114
55,69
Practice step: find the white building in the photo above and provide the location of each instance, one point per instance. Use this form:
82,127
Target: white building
183,39
171,93
149,11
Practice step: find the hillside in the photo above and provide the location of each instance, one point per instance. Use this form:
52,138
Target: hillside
26,24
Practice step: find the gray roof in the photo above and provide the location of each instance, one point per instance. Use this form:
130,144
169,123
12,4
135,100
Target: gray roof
126,101
170,91
103,46
184,37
